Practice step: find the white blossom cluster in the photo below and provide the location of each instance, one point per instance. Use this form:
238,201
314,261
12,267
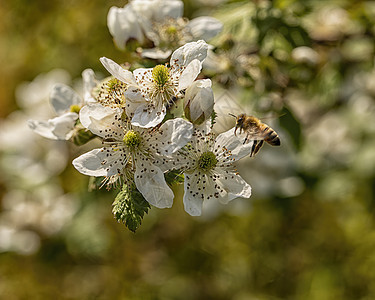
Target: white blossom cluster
158,23
153,121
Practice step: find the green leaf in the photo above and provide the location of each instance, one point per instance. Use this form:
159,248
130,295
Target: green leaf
129,207
82,136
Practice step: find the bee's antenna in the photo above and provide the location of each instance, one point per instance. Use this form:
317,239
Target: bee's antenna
232,115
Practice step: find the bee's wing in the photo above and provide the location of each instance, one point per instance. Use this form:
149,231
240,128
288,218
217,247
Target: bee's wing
256,133
226,102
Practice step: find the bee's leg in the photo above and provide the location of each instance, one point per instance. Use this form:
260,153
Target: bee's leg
256,147
246,139
253,148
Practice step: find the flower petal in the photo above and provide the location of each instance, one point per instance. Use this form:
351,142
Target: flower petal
189,74
147,117
59,128
190,51
205,28
234,143
157,11
192,203
123,24
143,76
131,107
150,181
100,119
63,97
99,162
172,136
235,187
169,9
117,71
134,94
156,53
199,100
89,83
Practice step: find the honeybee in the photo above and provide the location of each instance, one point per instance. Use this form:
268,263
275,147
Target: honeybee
257,131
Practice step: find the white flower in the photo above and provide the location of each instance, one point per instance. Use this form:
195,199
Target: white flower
161,22
155,88
123,24
135,19
132,150
66,104
208,168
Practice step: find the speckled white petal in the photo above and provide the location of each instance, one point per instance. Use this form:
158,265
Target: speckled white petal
99,119
150,181
189,74
190,51
96,111
172,136
146,118
131,107
59,128
143,75
192,202
167,163
205,28
234,143
133,93
89,83
234,186
63,97
97,163
117,71
205,127
123,24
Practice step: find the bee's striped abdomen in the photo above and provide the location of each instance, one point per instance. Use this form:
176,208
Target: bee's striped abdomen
271,137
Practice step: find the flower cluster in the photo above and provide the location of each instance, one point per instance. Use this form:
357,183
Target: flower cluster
155,124
160,25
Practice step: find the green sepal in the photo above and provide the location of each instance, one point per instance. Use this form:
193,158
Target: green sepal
129,207
174,177
213,118
82,136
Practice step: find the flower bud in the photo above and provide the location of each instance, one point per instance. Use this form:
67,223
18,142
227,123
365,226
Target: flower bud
199,101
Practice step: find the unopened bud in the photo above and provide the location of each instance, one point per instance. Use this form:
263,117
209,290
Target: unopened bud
199,101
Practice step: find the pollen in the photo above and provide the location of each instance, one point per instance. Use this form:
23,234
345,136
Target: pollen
112,85
160,75
132,140
75,108
111,93
207,161
171,30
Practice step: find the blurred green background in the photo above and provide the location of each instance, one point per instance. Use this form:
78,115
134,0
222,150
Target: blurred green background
308,230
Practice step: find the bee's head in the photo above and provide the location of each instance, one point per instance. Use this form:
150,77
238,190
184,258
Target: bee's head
240,119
